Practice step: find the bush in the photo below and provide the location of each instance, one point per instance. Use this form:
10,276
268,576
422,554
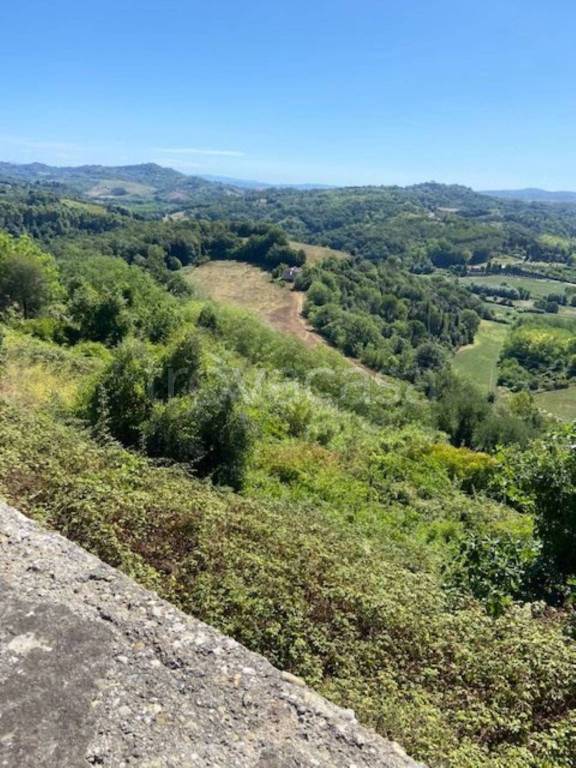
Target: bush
181,368
456,686
110,300
542,481
512,375
208,431
471,469
493,568
208,318
172,431
121,400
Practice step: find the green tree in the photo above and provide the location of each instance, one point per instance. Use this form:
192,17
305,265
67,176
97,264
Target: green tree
124,392
460,409
542,480
28,276
226,433
181,367
208,318
99,316
430,357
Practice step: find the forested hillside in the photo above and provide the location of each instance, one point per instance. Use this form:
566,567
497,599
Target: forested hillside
406,545
424,225
147,187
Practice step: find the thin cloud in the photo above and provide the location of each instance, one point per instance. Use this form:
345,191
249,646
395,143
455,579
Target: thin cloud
28,143
199,151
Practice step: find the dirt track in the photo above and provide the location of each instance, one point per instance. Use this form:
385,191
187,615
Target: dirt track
246,286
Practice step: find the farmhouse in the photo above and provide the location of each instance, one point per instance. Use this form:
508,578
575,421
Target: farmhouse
290,274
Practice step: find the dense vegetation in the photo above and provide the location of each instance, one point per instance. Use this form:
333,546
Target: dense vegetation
146,188
424,225
42,213
407,550
394,322
540,354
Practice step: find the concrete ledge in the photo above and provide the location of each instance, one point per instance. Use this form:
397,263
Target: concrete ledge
95,670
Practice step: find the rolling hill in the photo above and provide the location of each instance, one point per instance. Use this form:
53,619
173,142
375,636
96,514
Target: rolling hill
146,182
534,195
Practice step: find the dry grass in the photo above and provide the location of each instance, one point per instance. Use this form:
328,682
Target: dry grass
133,189
36,385
248,287
317,253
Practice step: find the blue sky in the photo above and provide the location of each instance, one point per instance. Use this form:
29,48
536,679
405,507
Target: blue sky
341,92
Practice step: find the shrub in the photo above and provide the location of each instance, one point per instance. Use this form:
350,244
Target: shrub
121,400
181,367
493,568
208,431
208,318
542,480
471,469
456,686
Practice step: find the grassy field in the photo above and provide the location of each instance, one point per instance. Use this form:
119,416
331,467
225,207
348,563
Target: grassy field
537,288
559,402
478,362
88,207
248,287
105,187
317,253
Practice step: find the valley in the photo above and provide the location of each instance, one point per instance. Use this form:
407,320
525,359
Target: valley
173,402
288,385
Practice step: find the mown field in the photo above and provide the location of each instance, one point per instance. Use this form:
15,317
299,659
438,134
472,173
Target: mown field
106,187
249,287
559,402
479,361
94,208
317,253
538,288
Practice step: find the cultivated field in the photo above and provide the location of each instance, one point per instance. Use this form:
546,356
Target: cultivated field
538,288
106,188
88,207
559,402
478,362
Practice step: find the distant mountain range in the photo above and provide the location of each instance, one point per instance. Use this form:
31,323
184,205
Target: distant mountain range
137,183
533,195
251,184
143,183
149,182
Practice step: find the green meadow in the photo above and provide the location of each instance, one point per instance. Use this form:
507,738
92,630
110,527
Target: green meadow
479,361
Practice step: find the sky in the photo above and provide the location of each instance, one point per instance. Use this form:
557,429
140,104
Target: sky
342,92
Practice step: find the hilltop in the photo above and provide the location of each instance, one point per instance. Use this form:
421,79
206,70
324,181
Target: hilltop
127,184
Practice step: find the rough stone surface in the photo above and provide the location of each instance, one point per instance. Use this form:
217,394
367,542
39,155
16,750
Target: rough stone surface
95,670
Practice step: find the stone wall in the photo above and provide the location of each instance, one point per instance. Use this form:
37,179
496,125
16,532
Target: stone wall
95,670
